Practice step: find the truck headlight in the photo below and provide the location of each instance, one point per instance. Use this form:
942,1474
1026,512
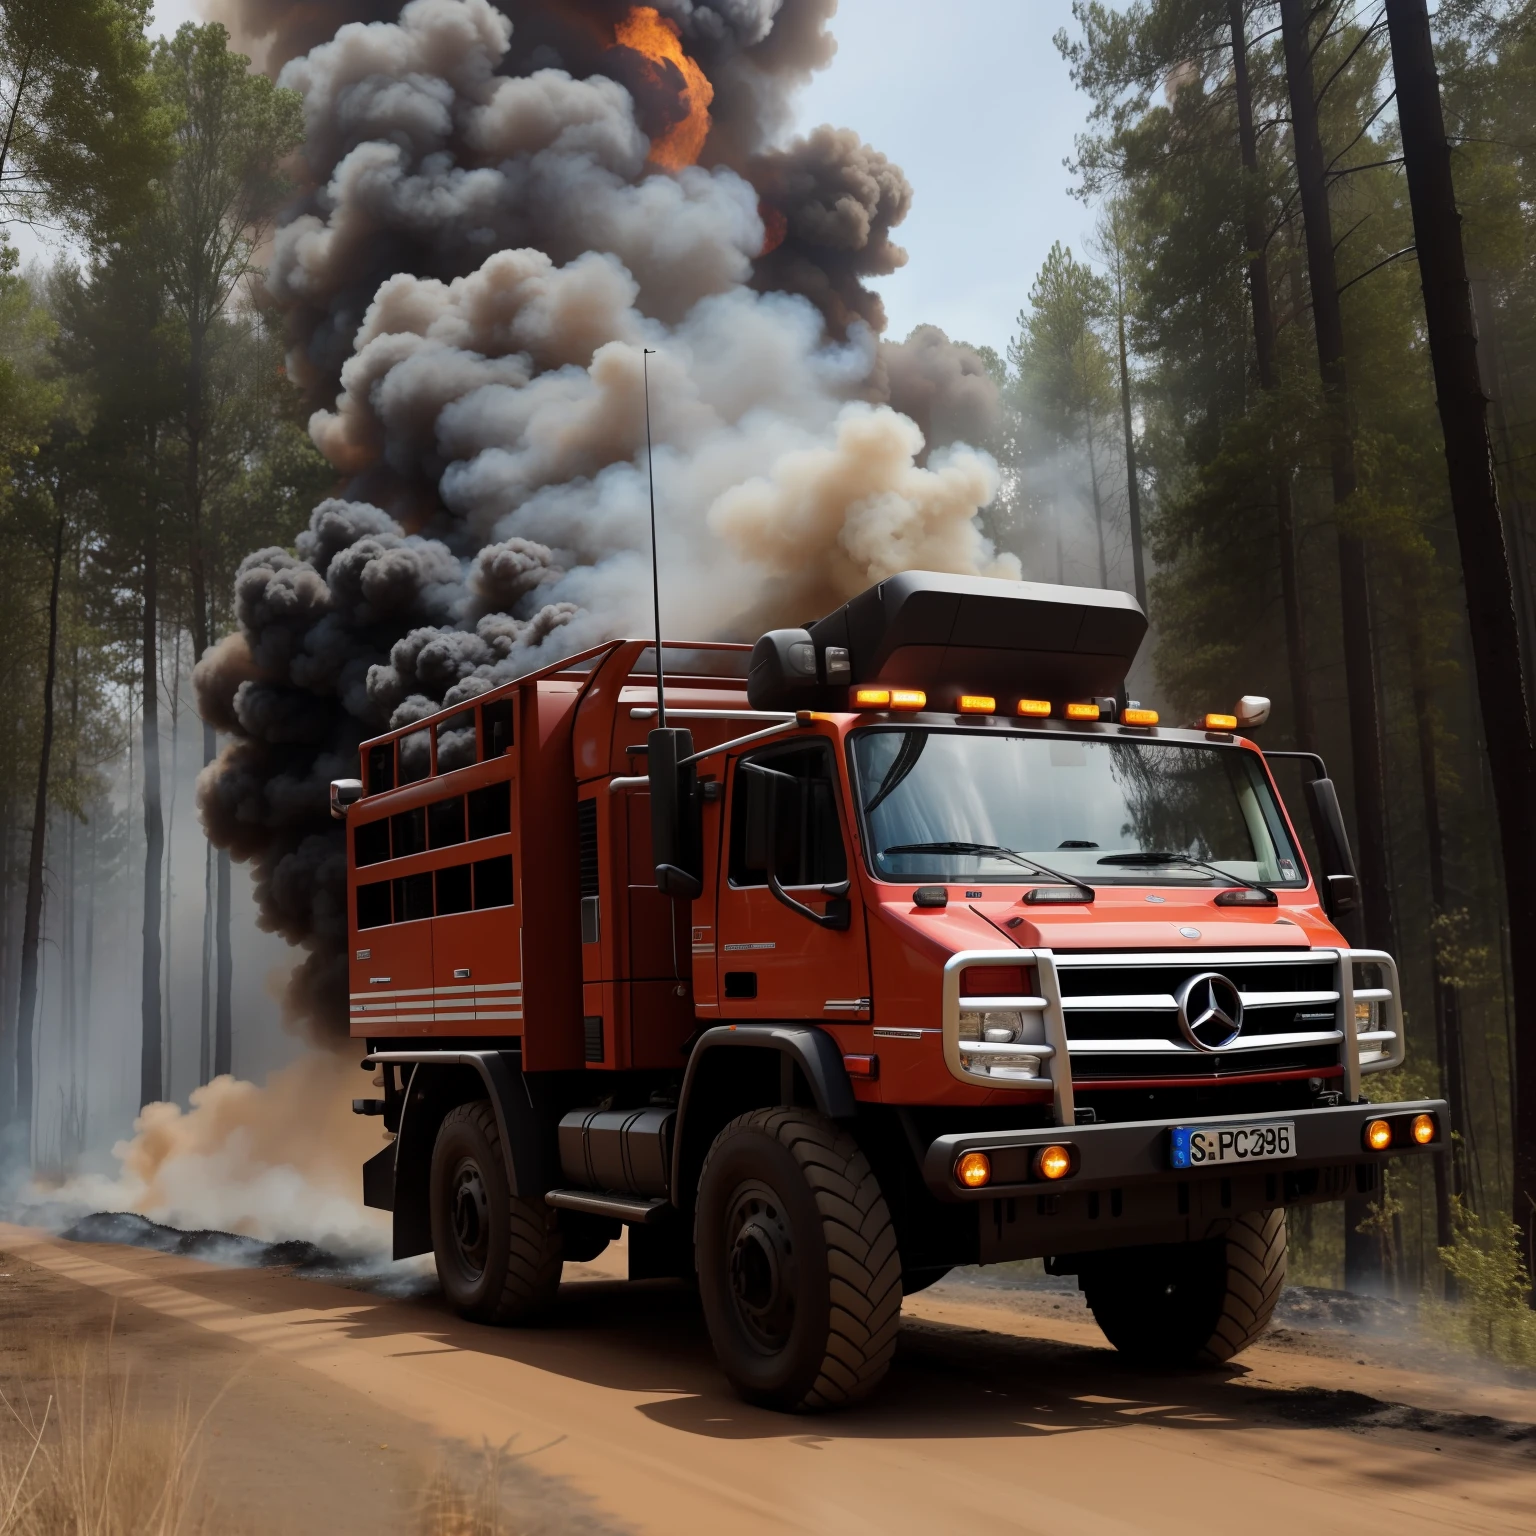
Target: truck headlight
1001,1026
997,1026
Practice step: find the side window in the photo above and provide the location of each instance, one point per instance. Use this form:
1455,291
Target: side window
456,741
409,832
445,822
490,811
381,768
373,904
413,898
453,892
493,882
370,842
791,817
495,729
415,757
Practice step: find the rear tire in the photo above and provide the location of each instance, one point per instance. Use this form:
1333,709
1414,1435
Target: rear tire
1180,1304
799,1275
498,1256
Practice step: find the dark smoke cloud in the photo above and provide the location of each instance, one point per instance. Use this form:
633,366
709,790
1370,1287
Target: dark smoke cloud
484,252
943,386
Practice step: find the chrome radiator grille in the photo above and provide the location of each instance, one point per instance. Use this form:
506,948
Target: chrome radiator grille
1098,1018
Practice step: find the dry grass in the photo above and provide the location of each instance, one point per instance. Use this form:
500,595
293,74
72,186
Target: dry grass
79,1457
473,1502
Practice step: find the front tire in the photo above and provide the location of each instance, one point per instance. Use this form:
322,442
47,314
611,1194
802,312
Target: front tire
498,1257
799,1274
1181,1304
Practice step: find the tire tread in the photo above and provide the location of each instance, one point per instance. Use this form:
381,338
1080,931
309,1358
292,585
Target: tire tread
864,1265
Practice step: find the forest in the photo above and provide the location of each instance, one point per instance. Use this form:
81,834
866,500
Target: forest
1178,415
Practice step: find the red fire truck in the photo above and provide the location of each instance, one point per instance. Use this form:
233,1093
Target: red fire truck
898,942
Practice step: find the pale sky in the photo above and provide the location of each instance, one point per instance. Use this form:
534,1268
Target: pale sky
971,99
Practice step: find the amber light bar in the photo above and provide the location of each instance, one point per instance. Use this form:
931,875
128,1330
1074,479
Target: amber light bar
977,704
1036,709
889,698
1082,711
1221,722
1138,717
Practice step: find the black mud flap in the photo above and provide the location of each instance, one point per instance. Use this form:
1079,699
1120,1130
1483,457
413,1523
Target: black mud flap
379,1180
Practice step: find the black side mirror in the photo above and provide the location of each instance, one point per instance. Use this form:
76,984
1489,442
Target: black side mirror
676,834
1340,885
763,848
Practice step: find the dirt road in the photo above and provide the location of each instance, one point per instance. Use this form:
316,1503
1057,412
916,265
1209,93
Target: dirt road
1003,1413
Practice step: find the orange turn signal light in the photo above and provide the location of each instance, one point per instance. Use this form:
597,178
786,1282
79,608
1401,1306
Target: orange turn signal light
1138,717
1037,709
1378,1135
908,698
977,704
1053,1162
1082,711
1424,1129
1221,722
973,1169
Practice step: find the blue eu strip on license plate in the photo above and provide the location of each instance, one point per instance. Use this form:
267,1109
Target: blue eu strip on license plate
1202,1146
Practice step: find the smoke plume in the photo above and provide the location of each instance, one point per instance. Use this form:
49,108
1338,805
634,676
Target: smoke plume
498,220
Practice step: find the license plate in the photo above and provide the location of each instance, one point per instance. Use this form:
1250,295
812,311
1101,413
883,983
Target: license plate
1195,1148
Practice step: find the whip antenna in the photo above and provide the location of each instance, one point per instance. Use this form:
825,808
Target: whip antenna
650,470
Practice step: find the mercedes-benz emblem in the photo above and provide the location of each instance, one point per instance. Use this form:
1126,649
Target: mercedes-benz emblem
1210,1011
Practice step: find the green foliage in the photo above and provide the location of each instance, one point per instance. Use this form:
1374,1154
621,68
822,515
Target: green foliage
1059,359
27,400
225,182
1493,1316
84,133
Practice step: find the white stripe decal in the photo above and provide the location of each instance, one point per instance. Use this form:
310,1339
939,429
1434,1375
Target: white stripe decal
491,989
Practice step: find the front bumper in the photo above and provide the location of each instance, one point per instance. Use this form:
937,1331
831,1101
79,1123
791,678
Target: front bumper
1136,1154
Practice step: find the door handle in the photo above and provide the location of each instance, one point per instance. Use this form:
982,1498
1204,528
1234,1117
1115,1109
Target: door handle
377,981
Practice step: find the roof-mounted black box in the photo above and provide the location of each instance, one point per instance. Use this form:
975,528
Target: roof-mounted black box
965,634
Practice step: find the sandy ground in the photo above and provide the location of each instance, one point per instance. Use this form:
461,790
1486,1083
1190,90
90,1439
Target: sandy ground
1004,1412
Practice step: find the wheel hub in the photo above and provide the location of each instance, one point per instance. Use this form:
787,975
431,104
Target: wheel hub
471,1217
761,1265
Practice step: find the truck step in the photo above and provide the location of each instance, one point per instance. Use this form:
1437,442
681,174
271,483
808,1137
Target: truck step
635,1209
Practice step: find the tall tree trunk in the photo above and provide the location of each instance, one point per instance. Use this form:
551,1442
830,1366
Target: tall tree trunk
1495,382
32,920
79,1068
1328,321
170,847
1447,1004
1501,682
7,1018
151,1071
1098,501
223,1024
1256,239
1132,485
1362,1255
205,997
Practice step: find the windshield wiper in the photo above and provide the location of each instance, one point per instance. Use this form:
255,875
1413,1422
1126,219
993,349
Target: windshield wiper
1155,857
996,850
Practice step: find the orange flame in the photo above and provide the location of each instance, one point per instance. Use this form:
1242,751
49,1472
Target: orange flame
647,32
775,227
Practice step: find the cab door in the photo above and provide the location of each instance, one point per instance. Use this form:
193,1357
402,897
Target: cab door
772,961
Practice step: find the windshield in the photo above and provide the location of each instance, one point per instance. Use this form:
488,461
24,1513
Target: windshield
958,806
